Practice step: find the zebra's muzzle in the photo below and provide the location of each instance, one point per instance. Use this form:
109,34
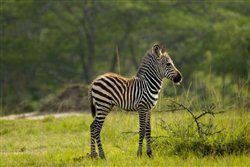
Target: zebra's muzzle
177,79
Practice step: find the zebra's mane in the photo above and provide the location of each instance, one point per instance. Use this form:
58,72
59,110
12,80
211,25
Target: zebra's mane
147,59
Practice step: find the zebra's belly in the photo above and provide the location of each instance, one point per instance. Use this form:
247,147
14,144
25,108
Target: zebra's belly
135,107
127,106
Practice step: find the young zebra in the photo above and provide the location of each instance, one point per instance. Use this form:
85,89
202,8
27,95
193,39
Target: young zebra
139,93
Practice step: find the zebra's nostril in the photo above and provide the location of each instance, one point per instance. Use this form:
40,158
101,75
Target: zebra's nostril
177,78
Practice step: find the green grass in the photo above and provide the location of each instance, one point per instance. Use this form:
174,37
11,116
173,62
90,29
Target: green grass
66,141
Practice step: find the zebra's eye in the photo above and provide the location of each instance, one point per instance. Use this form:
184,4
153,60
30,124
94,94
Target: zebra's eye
168,64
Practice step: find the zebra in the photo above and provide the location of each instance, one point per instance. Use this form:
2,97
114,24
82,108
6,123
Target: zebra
139,93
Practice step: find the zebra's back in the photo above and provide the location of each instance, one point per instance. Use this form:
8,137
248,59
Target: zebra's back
112,89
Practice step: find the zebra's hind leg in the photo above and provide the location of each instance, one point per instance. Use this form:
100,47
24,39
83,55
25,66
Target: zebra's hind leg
93,153
99,120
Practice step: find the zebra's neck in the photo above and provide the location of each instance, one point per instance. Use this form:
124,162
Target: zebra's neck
149,71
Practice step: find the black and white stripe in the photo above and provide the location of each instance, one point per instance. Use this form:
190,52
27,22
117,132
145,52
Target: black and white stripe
139,93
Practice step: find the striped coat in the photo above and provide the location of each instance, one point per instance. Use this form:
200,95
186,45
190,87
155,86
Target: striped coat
139,93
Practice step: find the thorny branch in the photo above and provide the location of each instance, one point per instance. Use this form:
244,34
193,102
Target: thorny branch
200,126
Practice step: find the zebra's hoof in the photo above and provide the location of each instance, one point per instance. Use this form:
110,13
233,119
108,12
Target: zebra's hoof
139,153
149,153
102,156
93,155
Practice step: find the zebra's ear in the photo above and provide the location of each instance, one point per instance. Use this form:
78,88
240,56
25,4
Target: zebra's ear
156,49
163,49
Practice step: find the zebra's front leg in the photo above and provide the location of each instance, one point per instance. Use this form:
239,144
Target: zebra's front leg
148,134
142,124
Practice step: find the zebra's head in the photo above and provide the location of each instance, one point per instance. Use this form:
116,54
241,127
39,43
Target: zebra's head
166,65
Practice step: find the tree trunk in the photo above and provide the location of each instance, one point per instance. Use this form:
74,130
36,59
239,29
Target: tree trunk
89,30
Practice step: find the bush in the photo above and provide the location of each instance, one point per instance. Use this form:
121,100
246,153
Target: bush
72,98
182,139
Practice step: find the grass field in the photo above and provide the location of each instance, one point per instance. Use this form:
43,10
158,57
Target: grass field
66,141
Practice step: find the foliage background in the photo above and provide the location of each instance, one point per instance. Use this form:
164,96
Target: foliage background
46,45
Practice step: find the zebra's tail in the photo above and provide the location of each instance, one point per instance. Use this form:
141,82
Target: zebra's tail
92,106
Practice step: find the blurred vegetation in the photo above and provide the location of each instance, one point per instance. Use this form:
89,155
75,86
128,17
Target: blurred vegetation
71,98
46,45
